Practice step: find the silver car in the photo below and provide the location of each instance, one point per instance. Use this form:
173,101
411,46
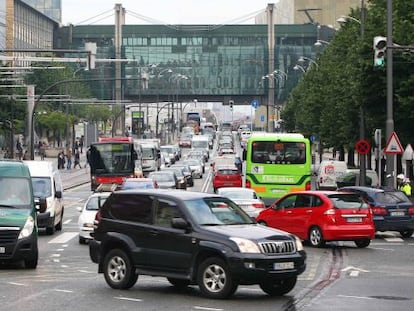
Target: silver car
245,198
197,168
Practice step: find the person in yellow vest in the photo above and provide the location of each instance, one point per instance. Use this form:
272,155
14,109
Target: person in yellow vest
403,184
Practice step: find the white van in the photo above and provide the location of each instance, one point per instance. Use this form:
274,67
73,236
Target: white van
47,186
329,171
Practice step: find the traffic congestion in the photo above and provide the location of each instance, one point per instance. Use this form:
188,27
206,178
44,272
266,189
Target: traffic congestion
310,238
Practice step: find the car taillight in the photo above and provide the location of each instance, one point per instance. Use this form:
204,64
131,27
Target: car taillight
258,205
98,218
379,210
248,184
308,186
411,210
331,211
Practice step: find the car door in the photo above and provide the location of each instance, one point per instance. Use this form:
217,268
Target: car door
169,248
280,214
300,215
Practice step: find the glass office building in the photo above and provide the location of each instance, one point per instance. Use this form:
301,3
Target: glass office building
207,62
51,8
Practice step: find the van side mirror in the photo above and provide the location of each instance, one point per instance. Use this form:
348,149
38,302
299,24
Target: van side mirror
40,204
58,194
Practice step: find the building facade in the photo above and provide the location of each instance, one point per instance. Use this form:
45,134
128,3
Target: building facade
50,8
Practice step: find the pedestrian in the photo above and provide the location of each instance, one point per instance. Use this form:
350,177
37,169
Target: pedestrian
81,141
403,184
19,149
69,158
25,156
77,159
42,150
61,160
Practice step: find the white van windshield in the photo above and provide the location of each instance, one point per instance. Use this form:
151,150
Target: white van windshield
41,187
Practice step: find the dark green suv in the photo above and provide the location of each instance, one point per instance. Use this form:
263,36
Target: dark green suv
191,238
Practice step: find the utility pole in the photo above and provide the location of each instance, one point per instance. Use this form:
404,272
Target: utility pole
362,157
119,123
271,67
389,126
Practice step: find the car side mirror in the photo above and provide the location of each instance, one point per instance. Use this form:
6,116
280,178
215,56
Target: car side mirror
180,223
40,204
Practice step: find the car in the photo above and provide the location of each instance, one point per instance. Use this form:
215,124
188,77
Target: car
87,214
191,238
246,198
139,183
178,172
321,216
171,151
164,179
392,209
226,176
187,173
197,167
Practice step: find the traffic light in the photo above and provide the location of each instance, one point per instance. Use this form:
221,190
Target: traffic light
231,102
380,45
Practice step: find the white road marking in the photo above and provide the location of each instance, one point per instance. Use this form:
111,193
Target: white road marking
394,240
63,290
357,297
128,299
55,255
354,273
67,221
206,308
63,238
18,284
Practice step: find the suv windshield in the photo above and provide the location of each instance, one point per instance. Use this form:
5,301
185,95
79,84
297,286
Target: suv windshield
217,211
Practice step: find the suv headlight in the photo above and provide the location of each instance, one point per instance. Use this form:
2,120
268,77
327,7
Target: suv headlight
299,245
27,229
246,246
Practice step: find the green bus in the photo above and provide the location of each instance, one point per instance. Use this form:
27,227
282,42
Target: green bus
276,164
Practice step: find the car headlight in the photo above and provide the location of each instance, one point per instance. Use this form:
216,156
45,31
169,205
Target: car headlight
246,246
27,229
299,245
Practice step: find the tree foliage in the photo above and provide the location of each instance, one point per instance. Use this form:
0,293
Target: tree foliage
327,100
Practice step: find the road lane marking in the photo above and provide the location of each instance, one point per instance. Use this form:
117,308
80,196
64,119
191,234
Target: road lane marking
67,221
206,308
63,238
18,284
129,299
63,290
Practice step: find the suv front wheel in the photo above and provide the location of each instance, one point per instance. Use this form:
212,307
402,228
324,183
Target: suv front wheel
215,279
118,270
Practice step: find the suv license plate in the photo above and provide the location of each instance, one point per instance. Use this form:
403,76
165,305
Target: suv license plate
2,249
397,213
283,265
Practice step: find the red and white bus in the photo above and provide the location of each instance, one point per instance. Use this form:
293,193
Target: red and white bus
112,159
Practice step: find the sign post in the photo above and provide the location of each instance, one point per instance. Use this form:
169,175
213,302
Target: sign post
393,147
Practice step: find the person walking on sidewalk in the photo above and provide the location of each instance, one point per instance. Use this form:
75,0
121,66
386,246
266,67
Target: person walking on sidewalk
77,159
69,158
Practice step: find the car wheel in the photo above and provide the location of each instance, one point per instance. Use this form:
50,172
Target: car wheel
179,283
316,237
215,280
51,230
118,270
59,225
31,263
82,240
362,243
278,287
406,233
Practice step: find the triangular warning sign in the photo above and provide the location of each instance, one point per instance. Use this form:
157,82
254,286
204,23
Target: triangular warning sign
393,145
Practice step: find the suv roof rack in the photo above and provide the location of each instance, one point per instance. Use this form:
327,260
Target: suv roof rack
106,188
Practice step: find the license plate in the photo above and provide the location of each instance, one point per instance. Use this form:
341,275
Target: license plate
283,265
397,214
354,219
2,249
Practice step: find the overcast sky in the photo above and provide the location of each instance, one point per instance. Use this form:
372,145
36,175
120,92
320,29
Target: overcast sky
78,12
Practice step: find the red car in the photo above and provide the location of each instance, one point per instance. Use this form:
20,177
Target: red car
226,176
320,216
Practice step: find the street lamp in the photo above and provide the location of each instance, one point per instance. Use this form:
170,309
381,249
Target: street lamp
320,42
302,59
343,19
299,67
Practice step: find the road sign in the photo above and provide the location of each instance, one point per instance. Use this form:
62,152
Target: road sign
262,118
393,145
362,146
255,104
